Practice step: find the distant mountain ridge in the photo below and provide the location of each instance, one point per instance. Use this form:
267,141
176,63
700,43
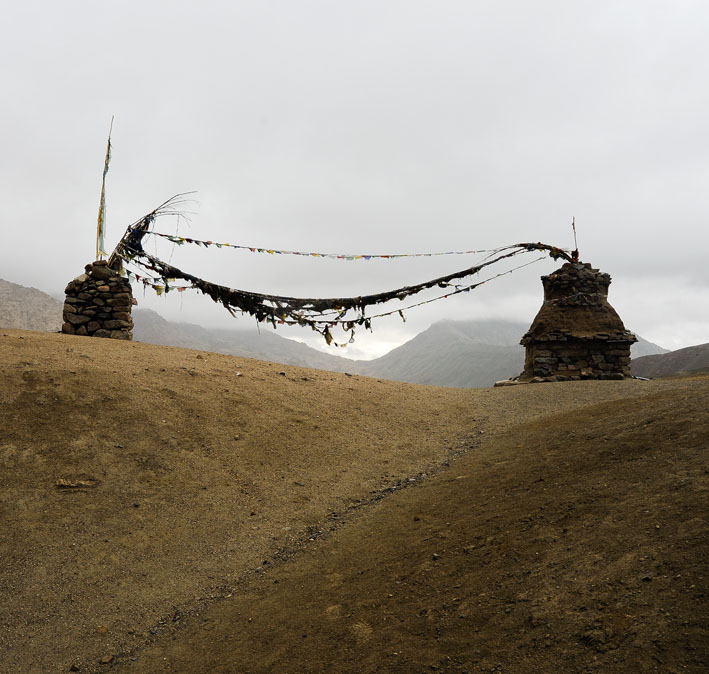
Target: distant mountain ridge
465,354
28,308
682,361
152,328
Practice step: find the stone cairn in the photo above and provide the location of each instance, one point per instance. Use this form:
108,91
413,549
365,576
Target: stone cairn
98,303
576,334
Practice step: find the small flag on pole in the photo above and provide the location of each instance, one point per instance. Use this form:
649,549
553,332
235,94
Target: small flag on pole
101,227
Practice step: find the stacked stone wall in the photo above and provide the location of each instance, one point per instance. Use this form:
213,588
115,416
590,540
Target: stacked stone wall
98,304
579,359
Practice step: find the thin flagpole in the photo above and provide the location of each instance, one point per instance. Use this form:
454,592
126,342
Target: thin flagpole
101,225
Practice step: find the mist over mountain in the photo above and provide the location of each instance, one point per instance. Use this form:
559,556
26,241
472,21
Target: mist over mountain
466,354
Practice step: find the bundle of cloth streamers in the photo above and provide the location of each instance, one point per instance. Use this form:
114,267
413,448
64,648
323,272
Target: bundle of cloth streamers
320,314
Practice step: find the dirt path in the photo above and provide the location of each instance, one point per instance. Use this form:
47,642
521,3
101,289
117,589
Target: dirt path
555,547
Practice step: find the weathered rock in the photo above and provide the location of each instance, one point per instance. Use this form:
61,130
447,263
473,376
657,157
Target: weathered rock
76,319
114,325
101,273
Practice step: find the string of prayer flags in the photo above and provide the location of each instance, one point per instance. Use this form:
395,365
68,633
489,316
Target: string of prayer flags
181,240
320,314
349,311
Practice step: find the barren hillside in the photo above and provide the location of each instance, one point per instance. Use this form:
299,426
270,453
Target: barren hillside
172,510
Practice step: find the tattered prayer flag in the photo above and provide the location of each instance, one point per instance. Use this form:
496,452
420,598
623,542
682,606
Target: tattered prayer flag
101,224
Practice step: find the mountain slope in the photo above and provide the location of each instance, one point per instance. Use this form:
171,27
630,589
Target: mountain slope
689,359
152,328
455,353
28,309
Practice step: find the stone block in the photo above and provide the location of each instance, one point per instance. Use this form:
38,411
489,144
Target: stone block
115,325
102,273
544,361
102,333
121,334
93,326
76,319
68,329
81,330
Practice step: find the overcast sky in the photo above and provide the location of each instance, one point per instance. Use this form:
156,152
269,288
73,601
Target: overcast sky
367,126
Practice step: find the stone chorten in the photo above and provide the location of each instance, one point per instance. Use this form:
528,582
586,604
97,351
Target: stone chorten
98,303
576,334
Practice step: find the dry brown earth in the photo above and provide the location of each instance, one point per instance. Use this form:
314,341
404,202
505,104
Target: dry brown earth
167,510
